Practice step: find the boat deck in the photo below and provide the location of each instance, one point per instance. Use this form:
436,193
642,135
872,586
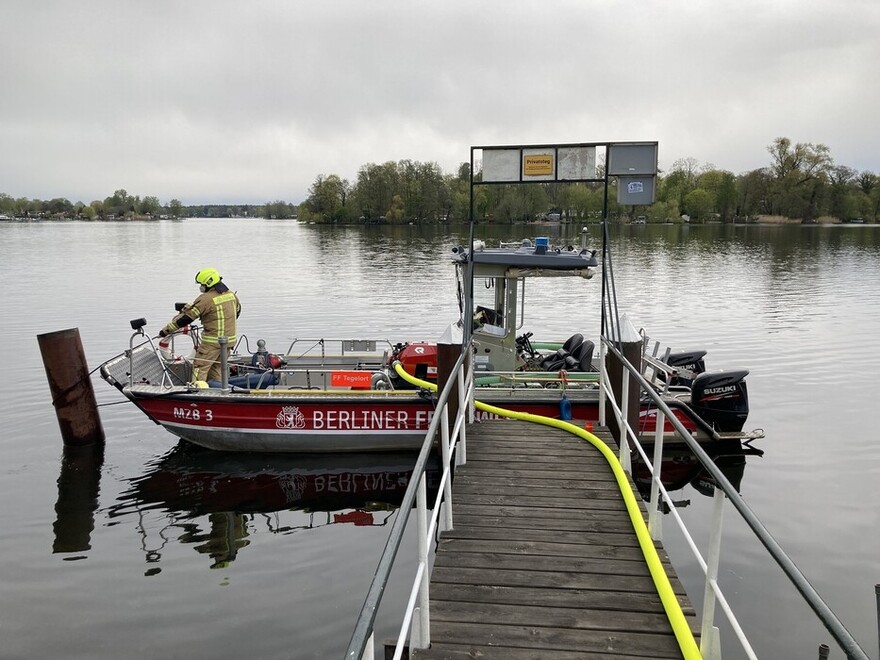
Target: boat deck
543,561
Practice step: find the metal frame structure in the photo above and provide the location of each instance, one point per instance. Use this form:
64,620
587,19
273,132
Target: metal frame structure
610,318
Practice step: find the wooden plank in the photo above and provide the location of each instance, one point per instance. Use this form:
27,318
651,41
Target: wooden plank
542,639
538,522
595,580
538,549
517,533
633,611
600,510
566,565
595,603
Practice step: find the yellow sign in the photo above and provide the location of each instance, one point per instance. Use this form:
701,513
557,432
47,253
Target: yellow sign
538,164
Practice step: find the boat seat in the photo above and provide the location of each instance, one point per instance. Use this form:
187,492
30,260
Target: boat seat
581,358
556,360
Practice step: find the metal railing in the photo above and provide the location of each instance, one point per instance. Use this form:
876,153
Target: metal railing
416,615
452,446
710,645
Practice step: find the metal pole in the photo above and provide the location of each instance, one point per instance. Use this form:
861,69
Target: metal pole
224,363
463,406
603,376
624,408
445,453
877,596
710,642
655,525
424,638
369,650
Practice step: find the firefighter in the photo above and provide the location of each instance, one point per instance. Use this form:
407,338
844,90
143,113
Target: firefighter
218,308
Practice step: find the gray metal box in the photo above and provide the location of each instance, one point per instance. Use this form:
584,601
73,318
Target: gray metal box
632,159
636,189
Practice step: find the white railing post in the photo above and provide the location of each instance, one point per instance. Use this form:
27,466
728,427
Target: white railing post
368,649
710,639
624,423
445,453
421,628
463,408
603,376
655,520
877,596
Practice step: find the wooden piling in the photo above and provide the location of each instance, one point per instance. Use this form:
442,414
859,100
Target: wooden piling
632,351
72,393
447,355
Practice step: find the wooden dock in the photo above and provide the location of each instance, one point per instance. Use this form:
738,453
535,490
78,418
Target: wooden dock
543,561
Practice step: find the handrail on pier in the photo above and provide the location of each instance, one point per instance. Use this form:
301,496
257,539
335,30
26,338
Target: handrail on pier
710,646
452,446
361,643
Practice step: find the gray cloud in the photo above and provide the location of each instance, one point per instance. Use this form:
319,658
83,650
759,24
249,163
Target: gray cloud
224,101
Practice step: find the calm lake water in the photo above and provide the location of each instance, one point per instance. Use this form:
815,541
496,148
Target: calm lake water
150,550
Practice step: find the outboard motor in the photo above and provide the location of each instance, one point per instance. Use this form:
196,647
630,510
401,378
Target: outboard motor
688,366
721,399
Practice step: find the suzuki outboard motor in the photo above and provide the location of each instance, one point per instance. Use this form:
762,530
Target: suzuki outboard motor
721,399
688,365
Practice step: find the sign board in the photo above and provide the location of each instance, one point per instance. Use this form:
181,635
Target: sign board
532,164
636,189
537,164
359,380
576,163
501,165
631,159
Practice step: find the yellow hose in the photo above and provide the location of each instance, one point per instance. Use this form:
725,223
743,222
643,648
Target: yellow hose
676,617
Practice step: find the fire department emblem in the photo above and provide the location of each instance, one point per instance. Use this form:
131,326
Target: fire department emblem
293,487
290,418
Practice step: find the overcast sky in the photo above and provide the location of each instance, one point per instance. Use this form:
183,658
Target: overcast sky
249,101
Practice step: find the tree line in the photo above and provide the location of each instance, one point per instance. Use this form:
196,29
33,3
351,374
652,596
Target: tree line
122,205
801,181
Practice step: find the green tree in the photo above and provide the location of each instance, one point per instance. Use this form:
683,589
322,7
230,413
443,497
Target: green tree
150,206
175,208
699,203
800,175
326,200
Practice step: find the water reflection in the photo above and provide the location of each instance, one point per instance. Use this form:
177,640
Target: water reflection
216,501
680,468
79,485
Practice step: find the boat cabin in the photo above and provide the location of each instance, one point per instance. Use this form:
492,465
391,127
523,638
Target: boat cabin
499,291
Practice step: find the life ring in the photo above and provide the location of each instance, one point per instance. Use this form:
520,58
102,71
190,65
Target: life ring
173,356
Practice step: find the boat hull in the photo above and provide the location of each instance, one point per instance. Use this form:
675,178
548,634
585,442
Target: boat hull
335,423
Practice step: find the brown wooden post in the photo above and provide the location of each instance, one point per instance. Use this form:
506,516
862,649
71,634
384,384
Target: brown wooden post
72,393
447,355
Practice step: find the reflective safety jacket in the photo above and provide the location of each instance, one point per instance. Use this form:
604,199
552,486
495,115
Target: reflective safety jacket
218,308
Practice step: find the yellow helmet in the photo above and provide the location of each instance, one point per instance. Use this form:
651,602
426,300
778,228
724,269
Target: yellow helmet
208,277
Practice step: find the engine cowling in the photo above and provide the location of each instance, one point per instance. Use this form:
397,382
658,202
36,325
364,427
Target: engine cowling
688,366
418,359
721,399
